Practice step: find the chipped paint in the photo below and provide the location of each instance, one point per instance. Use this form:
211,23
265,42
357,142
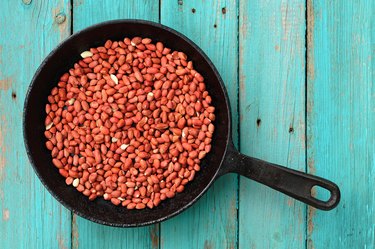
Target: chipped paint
61,242
244,28
301,220
310,41
310,70
310,221
61,21
233,207
6,84
311,164
310,226
242,83
208,245
154,234
232,226
290,202
77,3
2,154
75,235
5,214
285,20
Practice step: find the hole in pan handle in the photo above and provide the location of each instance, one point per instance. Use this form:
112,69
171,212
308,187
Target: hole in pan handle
291,182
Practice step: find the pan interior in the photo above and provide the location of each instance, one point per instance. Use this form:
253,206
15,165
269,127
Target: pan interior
63,58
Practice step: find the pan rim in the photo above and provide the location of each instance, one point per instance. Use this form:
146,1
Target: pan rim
91,28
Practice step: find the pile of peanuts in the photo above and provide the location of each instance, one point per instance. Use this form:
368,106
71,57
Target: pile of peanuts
130,122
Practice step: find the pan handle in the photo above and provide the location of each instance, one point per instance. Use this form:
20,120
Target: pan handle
291,182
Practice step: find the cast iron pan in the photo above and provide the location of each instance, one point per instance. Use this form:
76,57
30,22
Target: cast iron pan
223,158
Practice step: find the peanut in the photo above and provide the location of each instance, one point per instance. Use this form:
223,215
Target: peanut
130,122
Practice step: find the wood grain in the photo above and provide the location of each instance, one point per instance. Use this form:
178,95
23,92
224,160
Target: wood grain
31,217
341,120
272,118
89,12
213,25
278,112
85,233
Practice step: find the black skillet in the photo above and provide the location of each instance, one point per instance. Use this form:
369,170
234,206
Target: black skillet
223,158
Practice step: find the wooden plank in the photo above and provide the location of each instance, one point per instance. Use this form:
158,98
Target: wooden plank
272,118
87,234
341,119
213,25
89,12
31,217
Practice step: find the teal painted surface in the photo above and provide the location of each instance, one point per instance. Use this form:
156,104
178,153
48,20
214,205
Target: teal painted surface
272,114
85,233
213,25
259,48
30,216
341,120
89,12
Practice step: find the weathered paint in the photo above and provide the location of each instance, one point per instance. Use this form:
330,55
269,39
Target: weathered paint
213,25
341,120
31,217
340,113
272,110
89,12
5,84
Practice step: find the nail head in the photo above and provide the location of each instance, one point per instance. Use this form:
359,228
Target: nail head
60,18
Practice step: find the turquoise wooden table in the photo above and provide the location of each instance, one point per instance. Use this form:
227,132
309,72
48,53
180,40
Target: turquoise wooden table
300,76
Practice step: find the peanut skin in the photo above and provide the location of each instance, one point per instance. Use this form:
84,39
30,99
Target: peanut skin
130,122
